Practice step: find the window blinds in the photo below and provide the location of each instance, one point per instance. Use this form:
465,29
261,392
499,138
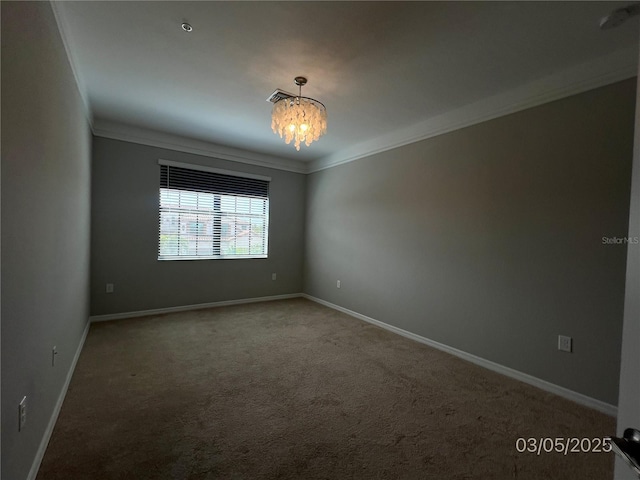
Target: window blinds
205,214
180,178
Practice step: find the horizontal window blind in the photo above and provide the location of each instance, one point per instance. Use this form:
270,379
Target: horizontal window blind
203,181
209,215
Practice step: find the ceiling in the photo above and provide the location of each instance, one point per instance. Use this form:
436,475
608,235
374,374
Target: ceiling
379,67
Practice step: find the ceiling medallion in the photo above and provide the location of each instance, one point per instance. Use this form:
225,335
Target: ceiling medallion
299,118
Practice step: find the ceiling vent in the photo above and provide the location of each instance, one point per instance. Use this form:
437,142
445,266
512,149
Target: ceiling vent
279,95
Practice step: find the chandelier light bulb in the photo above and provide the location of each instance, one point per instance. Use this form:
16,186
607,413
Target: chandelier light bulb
299,119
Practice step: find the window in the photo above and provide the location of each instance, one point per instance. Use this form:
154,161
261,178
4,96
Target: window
207,213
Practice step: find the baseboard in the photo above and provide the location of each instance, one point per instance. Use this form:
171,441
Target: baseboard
35,466
579,398
184,308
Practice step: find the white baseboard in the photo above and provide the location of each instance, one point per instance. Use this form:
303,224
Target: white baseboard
598,405
184,308
35,466
509,372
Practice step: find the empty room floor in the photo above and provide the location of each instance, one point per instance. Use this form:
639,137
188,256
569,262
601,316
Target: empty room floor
291,389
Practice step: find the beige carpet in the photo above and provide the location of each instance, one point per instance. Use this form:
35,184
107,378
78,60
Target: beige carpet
293,390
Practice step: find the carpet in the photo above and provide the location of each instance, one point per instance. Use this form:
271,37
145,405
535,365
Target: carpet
293,390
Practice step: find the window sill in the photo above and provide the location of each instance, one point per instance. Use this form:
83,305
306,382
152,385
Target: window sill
217,257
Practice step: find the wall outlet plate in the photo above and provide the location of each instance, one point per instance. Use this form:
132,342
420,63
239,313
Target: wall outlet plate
565,344
109,288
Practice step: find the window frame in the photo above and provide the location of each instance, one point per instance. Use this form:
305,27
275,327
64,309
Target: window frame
217,213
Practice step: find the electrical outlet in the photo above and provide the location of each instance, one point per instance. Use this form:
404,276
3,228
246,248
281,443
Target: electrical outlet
109,287
273,276
565,343
338,284
54,353
22,414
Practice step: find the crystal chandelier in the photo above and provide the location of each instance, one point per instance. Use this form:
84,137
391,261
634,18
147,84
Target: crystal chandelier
301,119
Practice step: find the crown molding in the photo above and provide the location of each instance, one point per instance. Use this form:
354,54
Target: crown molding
602,71
62,28
128,133
599,72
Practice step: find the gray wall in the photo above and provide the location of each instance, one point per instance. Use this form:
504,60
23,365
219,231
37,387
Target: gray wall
489,239
629,402
45,225
124,240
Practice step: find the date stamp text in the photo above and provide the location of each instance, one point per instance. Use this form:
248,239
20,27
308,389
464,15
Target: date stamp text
563,445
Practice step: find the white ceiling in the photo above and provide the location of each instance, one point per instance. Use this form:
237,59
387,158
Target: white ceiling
379,67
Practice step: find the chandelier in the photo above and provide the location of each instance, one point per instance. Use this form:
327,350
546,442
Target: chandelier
301,119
